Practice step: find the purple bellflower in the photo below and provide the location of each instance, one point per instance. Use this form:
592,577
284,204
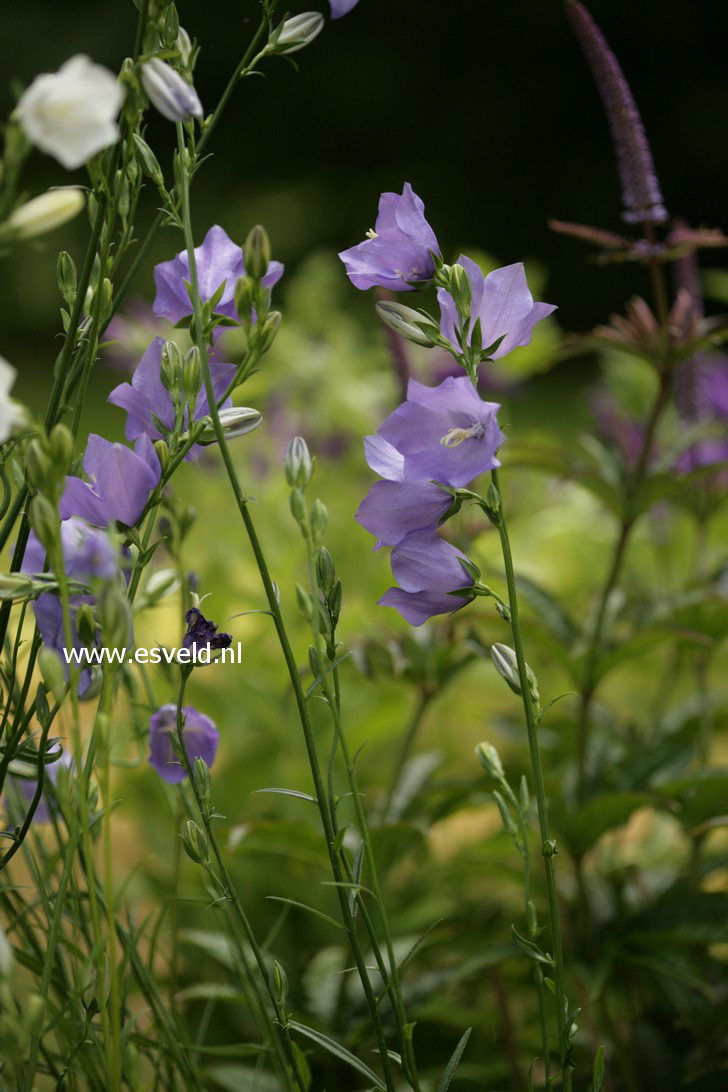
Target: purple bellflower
200,739
446,434
428,569
397,255
342,7
146,395
202,634
22,791
120,481
502,303
392,510
218,260
641,195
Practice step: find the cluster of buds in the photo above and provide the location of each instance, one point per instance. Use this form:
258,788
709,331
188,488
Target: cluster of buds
253,294
640,333
47,460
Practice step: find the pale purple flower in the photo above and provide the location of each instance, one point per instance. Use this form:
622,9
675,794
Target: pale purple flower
641,194
427,569
218,260
502,303
398,255
22,790
446,434
393,509
342,7
147,395
120,481
200,740
175,99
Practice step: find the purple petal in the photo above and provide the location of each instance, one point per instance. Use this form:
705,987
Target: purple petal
392,510
383,458
199,734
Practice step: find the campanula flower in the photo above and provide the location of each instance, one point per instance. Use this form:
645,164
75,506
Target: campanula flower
342,7
218,260
200,737
202,634
71,114
397,255
146,395
502,303
120,481
446,434
427,570
175,99
393,509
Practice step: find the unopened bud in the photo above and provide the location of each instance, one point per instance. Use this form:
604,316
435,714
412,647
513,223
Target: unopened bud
15,586
42,214
162,450
66,277
280,983
268,330
490,760
244,298
325,570
298,464
192,373
298,508
256,253
171,366
319,520
296,33
236,421
506,664
408,323
201,779
60,447
149,161
194,841
43,519
38,468
114,617
305,605
52,671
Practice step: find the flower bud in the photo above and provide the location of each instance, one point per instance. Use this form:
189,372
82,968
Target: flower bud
298,507
52,671
257,253
38,467
192,373
303,598
66,277
298,464
42,214
244,298
162,449
490,761
175,99
150,163
506,664
236,421
171,26
183,45
268,331
114,617
194,841
201,780
296,33
319,520
325,571
171,366
407,322
162,583
280,983
43,518
86,625
60,447
15,586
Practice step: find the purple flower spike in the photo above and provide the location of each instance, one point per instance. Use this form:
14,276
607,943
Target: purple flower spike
342,7
445,434
397,256
427,569
120,481
147,395
218,259
643,202
202,634
200,737
393,509
503,304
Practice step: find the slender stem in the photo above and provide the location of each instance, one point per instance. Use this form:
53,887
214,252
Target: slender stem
103,734
408,742
547,848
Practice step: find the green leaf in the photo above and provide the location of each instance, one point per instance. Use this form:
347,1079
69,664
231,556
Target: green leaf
598,1074
530,949
292,792
444,1083
311,910
338,1051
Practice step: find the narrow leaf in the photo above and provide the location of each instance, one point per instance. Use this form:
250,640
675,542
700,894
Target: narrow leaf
444,1082
339,1052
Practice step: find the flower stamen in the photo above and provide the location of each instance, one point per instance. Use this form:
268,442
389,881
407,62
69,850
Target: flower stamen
457,436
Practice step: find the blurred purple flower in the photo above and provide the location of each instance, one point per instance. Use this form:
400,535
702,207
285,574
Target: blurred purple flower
128,335
202,634
641,196
120,481
617,427
147,395
218,260
427,569
397,255
342,7
23,789
502,303
200,737
446,434
392,510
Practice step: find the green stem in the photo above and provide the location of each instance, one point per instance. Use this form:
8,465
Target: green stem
547,848
408,742
102,733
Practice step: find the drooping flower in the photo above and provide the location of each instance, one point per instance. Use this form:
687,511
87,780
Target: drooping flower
641,195
120,481
427,569
218,260
88,554
175,99
445,433
11,414
44,213
503,304
398,254
342,7
199,734
71,114
393,509
202,634
146,395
